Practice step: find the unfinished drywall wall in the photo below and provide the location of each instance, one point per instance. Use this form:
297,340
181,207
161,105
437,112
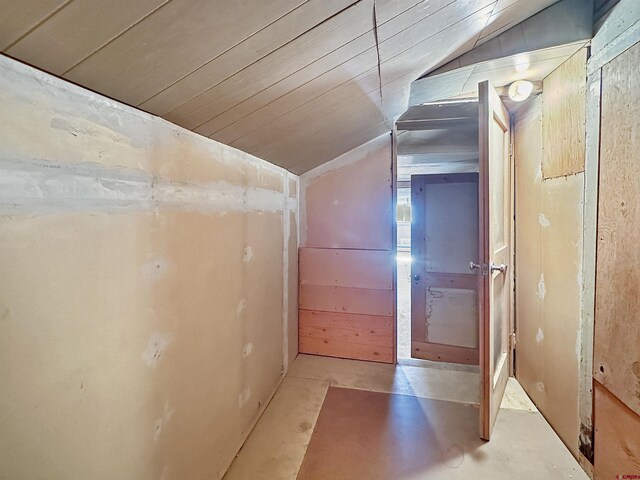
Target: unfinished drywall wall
346,256
613,113
146,312
549,223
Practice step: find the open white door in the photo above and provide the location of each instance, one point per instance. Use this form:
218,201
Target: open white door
495,286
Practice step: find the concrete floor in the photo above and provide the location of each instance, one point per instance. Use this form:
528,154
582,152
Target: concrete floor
523,445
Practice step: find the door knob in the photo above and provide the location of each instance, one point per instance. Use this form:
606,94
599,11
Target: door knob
502,268
474,266
416,277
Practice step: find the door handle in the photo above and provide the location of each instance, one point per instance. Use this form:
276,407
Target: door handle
502,268
474,266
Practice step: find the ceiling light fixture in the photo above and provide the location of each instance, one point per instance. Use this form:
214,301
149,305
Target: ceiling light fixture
520,90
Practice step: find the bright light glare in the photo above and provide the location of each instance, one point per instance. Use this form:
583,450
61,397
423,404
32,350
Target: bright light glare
404,258
520,90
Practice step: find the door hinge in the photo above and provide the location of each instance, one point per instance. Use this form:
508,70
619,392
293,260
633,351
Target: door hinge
512,341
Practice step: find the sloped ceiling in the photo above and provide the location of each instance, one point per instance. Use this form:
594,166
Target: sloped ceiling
292,81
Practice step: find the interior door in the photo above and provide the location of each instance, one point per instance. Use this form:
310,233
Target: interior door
444,236
493,269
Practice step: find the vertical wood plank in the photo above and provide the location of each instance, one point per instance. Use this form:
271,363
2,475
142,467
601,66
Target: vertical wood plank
617,329
563,107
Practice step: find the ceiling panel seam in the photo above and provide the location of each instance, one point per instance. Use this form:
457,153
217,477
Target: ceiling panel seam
363,74
235,142
493,11
239,43
375,35
33,27
292,73
125,30
305,66
207,89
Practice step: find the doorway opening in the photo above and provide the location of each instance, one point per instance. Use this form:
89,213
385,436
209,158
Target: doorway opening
454,157
437,235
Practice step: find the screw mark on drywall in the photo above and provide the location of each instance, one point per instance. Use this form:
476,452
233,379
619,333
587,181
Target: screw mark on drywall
244,397
543,220
161,422
248,254
539,336
541,287
540,386
246,351
154,268
156,346
242,304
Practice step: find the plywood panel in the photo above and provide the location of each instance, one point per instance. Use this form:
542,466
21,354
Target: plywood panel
465,281
343,299
451,245
335,348
347,268
350,206
617,437
445,353
563,107
78,30
171,43
452,317
347,328
617,329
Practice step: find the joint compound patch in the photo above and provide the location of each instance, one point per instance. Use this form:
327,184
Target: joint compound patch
540,386
159,424
543,220
244,396
248,348
248,254
541,288
539,336
156,346
242,304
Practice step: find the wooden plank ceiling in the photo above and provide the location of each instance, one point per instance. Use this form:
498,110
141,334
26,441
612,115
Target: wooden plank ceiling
296,82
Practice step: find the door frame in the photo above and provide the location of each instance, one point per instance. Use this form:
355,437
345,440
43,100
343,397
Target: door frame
394,235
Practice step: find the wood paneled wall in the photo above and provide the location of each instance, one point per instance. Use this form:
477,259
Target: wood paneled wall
346,303
616,365
347,298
